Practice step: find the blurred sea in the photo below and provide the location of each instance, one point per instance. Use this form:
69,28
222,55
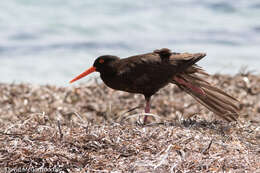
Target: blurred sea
52,41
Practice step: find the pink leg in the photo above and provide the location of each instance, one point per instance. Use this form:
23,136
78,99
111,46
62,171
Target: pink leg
147,109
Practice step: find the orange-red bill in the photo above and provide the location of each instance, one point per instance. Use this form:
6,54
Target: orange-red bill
85,73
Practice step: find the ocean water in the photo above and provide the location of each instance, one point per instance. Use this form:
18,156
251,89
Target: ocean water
52,41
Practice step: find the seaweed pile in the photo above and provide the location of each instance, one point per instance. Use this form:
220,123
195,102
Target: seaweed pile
92,128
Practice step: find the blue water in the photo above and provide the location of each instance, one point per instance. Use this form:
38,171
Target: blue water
51,41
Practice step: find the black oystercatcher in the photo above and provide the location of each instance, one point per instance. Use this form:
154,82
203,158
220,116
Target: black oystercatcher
147,73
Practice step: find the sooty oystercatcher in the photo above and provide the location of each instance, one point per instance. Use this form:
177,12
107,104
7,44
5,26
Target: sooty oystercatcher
147,73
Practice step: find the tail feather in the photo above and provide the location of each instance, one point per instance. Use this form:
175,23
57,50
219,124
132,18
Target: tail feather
211,97
212,88
227,99
227,116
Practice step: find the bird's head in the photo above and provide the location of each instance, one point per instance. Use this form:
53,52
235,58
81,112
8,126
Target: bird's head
103,64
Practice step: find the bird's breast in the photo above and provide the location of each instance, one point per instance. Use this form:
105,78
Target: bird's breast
142,84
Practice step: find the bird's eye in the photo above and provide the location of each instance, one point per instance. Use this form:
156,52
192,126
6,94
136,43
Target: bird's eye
101,61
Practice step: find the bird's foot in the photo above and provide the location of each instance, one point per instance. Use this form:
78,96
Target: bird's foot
145,119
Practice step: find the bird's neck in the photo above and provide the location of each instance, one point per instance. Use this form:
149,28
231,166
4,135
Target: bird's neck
108,76
109,71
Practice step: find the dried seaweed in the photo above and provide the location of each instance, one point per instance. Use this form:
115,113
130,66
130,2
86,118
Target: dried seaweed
91,128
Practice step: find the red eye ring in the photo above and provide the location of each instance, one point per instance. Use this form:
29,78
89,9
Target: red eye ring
101,61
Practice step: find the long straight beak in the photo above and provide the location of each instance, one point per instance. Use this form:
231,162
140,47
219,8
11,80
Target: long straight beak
85,73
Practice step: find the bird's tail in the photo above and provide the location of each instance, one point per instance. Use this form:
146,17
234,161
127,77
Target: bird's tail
211,97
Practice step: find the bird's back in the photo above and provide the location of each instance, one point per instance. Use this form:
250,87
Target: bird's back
147,73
